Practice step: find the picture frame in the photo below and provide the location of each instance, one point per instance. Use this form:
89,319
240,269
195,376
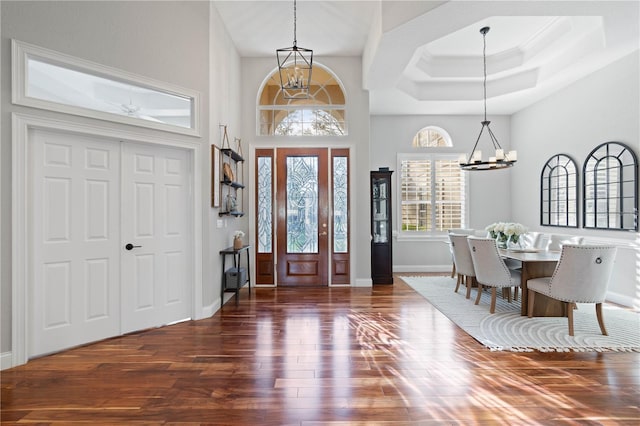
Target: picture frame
215,178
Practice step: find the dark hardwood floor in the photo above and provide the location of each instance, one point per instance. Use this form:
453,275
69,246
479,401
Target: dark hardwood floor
349,356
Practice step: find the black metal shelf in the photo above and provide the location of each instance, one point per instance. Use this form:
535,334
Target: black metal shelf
232,154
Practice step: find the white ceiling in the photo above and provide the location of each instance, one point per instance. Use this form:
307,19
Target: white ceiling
425,57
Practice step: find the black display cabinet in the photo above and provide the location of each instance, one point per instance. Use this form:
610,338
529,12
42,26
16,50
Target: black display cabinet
381,251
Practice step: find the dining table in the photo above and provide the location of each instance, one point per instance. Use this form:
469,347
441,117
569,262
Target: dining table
536,263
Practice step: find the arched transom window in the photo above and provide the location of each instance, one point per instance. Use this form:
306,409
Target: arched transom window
431,136
322,114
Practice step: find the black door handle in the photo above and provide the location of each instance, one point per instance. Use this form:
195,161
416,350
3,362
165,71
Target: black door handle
131,246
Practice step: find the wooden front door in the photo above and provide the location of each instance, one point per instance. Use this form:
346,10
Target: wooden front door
302,214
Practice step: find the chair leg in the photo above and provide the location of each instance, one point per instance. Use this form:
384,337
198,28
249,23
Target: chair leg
600,318
453,270
494,294
532,295
569,309
458,283
469,281
508,294
515,293
479,293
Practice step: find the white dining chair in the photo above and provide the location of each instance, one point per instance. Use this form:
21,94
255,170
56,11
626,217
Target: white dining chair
491,271
556,241
535,240
581,276
464,231
462,262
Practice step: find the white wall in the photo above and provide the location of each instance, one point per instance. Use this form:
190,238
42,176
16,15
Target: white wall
488,191
602,107
225,100
348,71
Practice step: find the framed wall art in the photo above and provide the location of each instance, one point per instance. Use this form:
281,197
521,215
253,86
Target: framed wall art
215,178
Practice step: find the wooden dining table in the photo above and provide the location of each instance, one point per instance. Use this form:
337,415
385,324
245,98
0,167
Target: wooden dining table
536,264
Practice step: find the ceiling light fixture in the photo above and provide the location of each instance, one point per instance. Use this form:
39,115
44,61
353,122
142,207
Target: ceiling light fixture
501,160
294,66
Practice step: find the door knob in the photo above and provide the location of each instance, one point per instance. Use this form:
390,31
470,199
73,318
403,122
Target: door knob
322,233
131,246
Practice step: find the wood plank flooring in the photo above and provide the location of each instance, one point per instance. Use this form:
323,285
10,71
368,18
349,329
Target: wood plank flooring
339,356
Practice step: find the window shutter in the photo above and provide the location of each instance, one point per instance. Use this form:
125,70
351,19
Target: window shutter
416,195
450,192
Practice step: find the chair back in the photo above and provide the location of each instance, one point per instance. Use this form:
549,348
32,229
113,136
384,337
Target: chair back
556,241
463,231
462,255
537,240
583,273
489,266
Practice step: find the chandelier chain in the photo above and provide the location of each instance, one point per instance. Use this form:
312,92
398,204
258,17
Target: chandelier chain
484,85
295,39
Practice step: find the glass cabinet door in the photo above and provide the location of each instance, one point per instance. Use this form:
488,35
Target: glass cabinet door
381,226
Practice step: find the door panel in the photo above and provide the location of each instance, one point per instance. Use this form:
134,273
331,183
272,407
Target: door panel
156,198
87,194
75,241
302,221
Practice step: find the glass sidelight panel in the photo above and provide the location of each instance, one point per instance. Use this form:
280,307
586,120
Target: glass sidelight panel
265,205
302,204
340,205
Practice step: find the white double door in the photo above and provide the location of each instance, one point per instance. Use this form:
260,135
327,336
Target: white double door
110,238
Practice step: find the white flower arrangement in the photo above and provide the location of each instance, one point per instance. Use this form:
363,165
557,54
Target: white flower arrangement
238,234
506,231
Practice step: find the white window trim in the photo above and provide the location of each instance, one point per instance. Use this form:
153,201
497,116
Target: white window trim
432,235
21,52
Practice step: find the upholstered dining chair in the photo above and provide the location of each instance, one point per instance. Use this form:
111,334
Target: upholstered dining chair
581,276
462,261
491,271
557,240
465,231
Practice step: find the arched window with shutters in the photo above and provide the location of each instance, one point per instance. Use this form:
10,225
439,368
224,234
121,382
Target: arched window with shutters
321,114
432,187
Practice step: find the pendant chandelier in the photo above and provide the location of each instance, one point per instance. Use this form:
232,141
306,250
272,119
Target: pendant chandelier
501,160
294,66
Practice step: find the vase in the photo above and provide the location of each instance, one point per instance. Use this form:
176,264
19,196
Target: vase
237,243
501,241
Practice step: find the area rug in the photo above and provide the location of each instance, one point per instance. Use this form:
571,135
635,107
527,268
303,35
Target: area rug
507,330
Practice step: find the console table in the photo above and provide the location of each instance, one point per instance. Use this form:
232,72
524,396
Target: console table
235,253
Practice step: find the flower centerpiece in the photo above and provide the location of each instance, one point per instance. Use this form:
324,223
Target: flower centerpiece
506,232
237,239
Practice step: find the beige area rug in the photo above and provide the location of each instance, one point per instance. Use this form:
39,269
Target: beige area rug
507,330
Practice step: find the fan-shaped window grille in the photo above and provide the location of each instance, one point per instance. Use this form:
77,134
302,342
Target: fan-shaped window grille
322,114
559,192
610,188
431,136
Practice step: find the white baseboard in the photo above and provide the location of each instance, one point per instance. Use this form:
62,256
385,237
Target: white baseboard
363,282
6,360
624,300
422,268
208,311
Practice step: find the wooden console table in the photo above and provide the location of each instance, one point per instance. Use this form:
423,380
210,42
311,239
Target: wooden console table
235,253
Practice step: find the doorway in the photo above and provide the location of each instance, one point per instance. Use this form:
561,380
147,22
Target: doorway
303,229
110,238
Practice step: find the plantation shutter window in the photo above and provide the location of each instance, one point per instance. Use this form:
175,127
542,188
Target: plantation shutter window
432,194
